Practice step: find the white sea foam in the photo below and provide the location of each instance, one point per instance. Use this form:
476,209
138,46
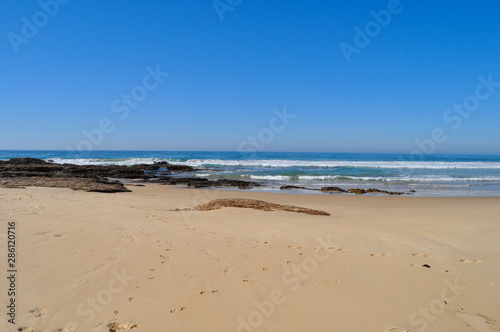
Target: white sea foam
123,162
278,163
270,177
423,178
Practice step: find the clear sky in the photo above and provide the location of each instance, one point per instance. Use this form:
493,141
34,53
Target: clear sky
79,65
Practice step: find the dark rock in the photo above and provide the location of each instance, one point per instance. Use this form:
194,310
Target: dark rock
236,183
86,184
17,172
360,191
293,187
356,191
24,161
333,190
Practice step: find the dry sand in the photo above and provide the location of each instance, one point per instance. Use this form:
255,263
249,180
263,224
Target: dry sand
125,261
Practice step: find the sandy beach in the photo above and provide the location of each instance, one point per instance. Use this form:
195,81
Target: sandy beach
129,261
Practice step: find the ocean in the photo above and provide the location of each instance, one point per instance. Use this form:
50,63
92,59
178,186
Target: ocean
428,175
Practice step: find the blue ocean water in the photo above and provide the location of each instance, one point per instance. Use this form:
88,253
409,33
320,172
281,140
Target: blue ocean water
436,175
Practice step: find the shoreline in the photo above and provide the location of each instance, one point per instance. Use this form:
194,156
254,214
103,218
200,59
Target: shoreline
25,172
222,171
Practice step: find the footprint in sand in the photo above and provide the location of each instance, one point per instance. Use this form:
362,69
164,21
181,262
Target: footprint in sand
471,260
27,329
336,248
209,252
296,247
213,232
38,312
165,258
478,322
379,255
264,242
249,279
118,326
177,310
397,329
421,255
333,282
265,269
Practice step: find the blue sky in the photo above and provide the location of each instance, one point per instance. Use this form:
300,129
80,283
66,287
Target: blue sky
227,75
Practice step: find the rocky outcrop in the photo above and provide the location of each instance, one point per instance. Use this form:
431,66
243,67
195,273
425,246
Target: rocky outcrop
86,184
35,167
23,172
333,190
293,187
357,191
205,183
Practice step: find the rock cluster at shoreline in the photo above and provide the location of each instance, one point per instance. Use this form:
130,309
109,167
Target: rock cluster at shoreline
205,183
24,172
357,191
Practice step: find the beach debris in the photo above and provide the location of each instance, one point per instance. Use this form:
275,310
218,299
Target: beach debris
257,205
427,266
